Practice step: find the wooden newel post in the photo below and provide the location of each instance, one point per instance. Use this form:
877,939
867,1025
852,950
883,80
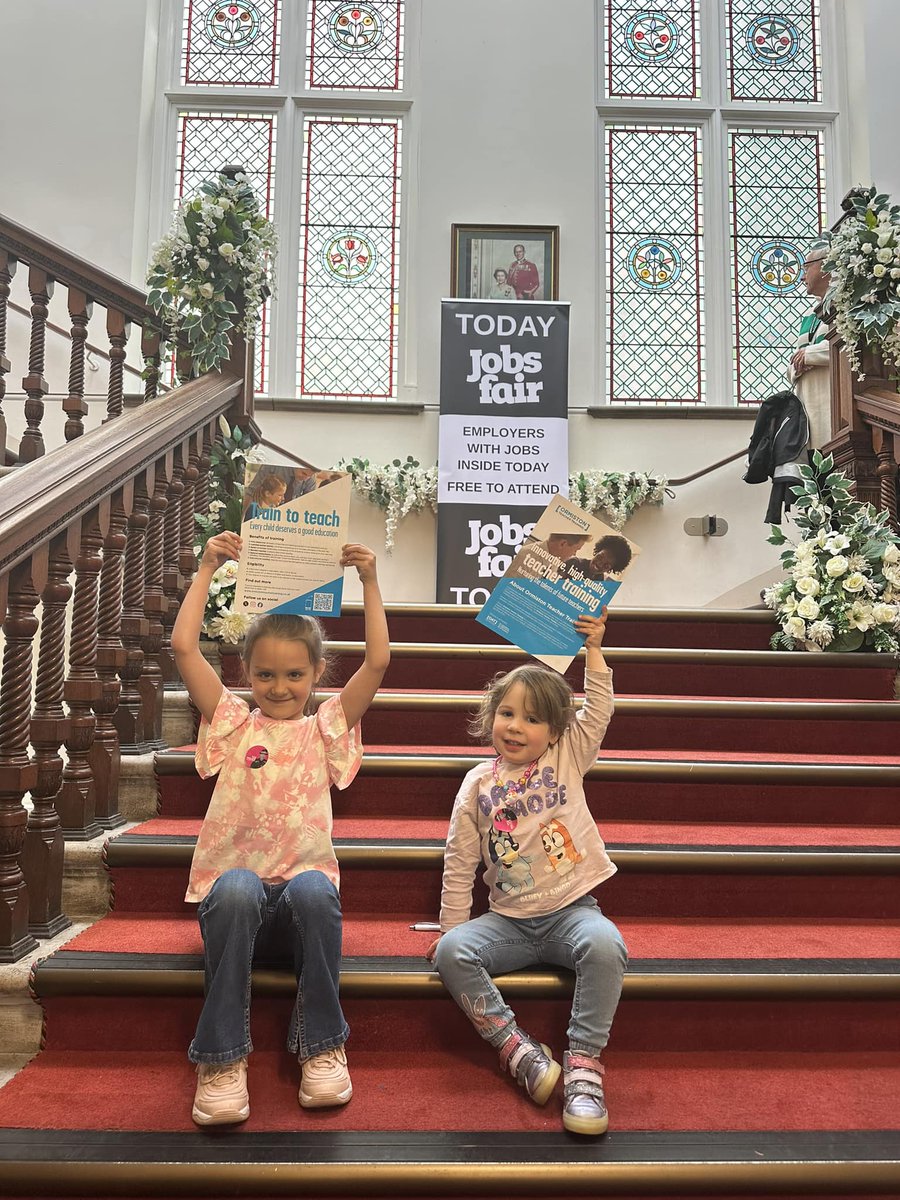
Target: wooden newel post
7,270
18,774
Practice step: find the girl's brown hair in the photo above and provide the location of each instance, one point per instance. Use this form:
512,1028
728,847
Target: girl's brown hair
549,697
291,627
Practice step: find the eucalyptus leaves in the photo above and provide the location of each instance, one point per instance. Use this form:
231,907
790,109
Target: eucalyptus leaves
842,591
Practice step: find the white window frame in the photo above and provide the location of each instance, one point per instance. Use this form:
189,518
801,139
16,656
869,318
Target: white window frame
291,102
714,114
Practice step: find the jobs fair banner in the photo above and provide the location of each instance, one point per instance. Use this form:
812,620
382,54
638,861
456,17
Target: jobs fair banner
503,450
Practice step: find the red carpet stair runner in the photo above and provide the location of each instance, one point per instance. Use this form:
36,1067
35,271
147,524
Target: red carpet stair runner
751,802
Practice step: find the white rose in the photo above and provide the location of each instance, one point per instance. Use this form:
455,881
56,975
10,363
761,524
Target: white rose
807,586
836,566
794,627
867,247
895,272
207,289
202,240
884,255
878,270
884,614
855,582
891,554
226,249
808,608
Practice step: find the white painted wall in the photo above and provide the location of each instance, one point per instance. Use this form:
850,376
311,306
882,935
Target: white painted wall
502,130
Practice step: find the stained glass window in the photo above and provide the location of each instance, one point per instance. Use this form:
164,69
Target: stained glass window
209,141
655,265
348,258
652,51
232,44
356,46
773,50
777,210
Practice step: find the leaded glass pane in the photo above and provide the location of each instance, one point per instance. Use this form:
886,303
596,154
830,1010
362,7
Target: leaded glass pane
356,46
209,141
231,45
655,265
777,210
348,258
652,50
773,50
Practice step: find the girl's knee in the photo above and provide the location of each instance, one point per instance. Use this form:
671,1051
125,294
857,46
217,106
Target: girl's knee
236,890
604,948
452,948
312,892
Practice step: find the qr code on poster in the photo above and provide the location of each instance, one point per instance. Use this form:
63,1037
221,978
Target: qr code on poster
323,602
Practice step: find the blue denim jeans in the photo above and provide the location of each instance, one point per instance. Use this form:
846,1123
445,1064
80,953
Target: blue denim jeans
577,936
243,919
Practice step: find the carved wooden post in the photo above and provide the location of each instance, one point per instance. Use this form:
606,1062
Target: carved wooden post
886,472
173,581
187,559
118,329
42,858
105,752
135,627
151,353
78,796
7,270
18,774
76,409
151,681
40,285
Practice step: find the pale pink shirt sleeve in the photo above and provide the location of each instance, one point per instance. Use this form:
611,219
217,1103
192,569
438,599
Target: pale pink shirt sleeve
217,737
343,746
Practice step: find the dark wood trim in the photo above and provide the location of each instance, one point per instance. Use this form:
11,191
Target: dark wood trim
681,412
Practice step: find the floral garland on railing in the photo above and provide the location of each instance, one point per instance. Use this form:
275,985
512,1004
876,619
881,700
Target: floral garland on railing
863,266
404,487
842,591
213,270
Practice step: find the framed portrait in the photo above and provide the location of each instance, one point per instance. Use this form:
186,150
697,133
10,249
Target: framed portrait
504,262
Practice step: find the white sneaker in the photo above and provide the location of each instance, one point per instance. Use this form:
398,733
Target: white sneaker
325,1079
221,1097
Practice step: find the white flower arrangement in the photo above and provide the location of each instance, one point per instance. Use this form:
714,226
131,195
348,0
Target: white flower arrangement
863,266
616,495
213,270
219,618
842,590
398,487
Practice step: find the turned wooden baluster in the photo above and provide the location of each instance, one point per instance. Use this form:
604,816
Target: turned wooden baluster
150,685
42,857
40,285
118,329
105,752
75,406
887,473
135,627
174,583
7,269
77,802
187,559
18,774
151,342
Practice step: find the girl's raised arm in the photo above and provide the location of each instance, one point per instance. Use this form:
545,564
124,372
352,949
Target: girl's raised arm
201,681
359,691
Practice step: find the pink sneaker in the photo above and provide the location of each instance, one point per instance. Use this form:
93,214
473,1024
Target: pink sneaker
325,1079
221,1097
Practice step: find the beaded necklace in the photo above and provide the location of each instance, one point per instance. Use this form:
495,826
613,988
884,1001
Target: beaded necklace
511,786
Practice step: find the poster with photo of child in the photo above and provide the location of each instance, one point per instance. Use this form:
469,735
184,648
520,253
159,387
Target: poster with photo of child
570,564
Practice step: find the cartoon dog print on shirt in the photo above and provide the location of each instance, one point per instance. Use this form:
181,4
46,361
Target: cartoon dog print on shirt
559,848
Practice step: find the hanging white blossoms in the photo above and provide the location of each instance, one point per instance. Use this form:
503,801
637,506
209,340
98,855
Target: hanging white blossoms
398,487
615,495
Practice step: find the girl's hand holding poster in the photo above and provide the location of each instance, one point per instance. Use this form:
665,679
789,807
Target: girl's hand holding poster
570,564
293,527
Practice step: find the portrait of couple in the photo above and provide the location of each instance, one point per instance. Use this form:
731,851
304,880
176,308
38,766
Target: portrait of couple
504,263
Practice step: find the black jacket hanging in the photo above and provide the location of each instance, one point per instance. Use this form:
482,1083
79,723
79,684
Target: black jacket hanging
778,449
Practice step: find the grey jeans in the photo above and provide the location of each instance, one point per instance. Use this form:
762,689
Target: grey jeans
577,936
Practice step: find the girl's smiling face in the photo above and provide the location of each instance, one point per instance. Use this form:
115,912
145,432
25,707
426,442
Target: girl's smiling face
519,736
282,677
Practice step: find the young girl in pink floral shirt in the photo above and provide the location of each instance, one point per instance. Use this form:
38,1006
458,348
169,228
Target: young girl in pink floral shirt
264,871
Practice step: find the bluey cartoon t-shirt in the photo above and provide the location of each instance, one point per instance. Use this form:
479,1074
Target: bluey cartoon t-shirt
540,847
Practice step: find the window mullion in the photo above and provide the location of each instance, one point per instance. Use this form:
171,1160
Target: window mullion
719,282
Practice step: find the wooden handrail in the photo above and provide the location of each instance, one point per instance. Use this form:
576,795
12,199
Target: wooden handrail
67,268
723,462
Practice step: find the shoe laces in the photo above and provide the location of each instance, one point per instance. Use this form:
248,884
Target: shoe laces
221,1075
329,1062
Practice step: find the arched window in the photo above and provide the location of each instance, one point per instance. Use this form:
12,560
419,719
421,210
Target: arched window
718,120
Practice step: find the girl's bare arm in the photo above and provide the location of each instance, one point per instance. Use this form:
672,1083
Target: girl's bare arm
359,691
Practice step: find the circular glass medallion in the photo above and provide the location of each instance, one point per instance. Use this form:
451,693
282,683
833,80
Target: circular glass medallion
655,264
348,257
233,26
773,40
355,28
777,266
651,36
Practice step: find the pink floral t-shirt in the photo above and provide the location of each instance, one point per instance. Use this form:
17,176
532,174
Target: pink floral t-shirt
271,809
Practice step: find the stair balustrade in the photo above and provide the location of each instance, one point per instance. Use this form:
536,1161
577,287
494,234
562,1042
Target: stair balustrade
96,551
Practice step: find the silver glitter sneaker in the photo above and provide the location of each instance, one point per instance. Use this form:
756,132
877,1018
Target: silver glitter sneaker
531,1064
584,1106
